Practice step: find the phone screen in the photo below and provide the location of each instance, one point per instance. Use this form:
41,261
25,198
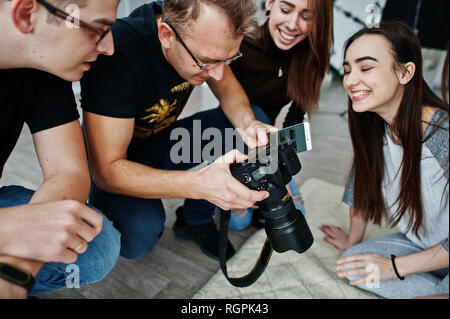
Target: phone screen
298,136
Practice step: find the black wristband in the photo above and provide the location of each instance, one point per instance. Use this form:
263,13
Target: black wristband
395,268
17,276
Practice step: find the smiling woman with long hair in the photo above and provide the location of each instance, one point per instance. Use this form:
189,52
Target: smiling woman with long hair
286,61
399,131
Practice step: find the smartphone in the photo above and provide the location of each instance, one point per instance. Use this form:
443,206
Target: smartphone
298,135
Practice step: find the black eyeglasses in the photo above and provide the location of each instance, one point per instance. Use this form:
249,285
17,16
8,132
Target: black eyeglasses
102,32
206,66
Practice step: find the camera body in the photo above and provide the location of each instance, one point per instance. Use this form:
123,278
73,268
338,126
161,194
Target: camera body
271,170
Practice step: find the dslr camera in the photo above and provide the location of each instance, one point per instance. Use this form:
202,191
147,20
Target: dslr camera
271,170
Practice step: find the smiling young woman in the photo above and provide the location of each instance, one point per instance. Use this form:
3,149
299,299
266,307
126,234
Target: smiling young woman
399,130
286,61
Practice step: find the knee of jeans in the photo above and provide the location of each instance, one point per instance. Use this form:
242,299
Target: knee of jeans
140,244
14,196
260,115
349,252
107,248
354,250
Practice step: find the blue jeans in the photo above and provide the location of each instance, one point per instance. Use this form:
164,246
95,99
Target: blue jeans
242,222
141,221
90,267
417,285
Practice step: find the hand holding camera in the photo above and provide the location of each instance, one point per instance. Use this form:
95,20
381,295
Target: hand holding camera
271,169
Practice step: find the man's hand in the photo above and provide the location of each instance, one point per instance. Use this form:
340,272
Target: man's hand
219,187
255,133
48,232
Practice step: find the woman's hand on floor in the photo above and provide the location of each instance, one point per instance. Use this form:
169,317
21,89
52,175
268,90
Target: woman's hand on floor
336,237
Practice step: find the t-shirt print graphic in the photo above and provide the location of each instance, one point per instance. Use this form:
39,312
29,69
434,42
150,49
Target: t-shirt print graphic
161,115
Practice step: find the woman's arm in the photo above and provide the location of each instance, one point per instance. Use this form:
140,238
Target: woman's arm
427,260
337,237
433,258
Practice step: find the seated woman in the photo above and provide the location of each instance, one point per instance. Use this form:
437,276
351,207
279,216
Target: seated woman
286,61
400,137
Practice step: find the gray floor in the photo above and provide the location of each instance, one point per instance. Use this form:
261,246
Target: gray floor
177,268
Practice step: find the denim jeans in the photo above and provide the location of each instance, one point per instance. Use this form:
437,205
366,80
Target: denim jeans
417,285
141,221
90,267
243,221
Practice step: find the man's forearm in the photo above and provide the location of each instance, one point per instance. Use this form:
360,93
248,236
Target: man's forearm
237,109
132,179
29,265
238,112
72,185
4,225
233,100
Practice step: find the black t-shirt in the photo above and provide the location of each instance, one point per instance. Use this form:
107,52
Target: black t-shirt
137,81
263,73
41,100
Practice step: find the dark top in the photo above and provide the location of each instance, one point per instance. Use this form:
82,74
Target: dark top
263,73
137,81
41,100
425,16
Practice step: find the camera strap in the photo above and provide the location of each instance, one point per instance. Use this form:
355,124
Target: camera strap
260,265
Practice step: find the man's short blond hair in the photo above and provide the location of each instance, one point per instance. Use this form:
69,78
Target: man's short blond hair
241,13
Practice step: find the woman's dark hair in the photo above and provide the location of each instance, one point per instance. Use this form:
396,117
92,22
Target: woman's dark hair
368,129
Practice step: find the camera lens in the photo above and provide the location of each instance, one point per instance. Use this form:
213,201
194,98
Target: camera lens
287,229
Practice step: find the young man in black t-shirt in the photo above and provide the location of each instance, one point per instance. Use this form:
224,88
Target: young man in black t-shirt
131,102
44,230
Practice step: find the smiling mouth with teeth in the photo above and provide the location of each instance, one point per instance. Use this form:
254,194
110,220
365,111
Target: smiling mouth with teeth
360,94
287,37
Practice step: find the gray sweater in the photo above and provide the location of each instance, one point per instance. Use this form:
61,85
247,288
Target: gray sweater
434,177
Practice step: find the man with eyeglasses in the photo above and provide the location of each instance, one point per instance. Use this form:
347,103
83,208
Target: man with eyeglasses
131,102
42,49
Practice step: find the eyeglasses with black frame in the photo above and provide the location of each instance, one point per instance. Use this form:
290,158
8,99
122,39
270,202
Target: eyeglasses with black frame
206,66
102,32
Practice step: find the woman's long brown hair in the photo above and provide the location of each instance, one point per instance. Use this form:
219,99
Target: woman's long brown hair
368,129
